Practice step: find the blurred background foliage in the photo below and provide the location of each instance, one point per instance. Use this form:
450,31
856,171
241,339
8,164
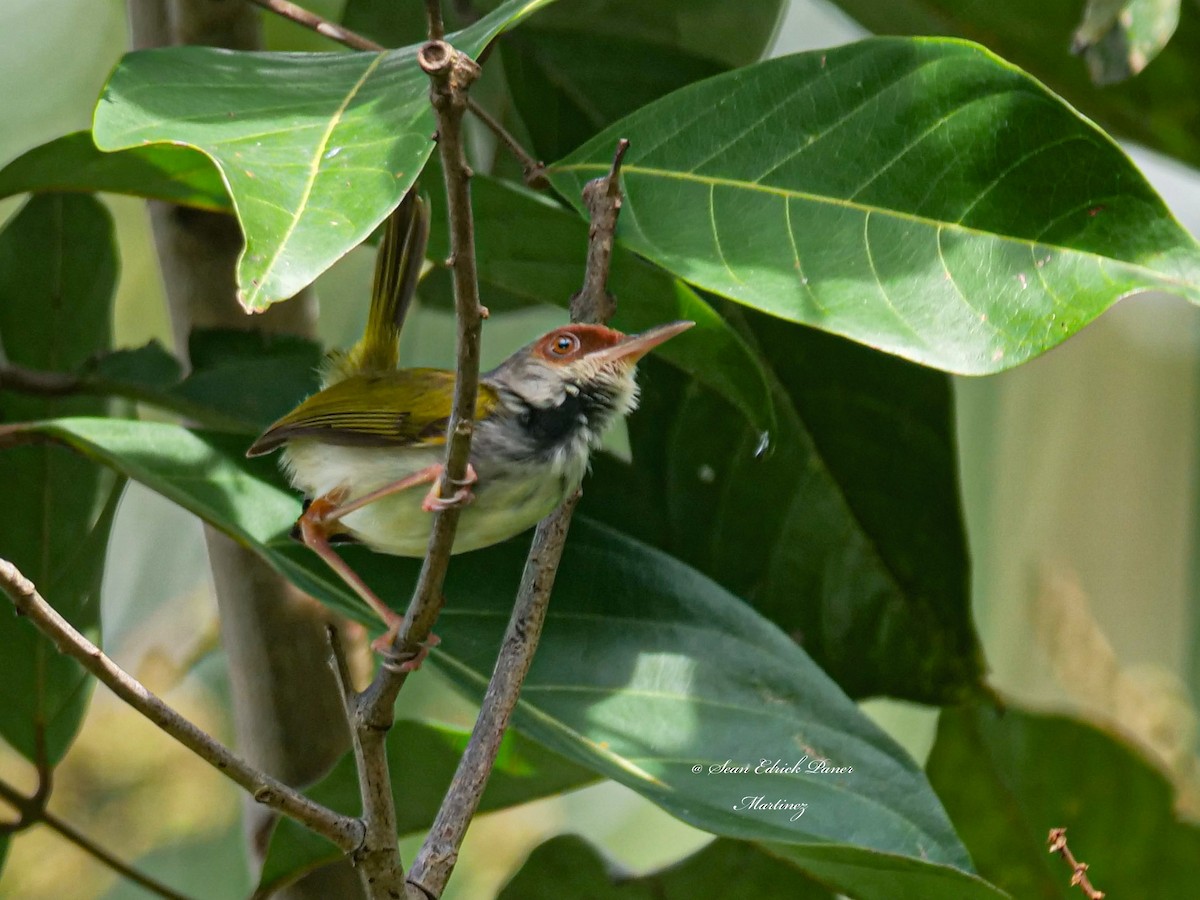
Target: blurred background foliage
1078,476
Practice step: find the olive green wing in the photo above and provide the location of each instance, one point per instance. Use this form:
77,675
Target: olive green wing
405,408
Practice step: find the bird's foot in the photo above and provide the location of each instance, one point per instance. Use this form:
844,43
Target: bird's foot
433,502
383,646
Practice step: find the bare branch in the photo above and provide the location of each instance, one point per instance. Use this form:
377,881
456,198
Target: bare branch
433,12
343,831
1058,844
321,26
435,860
602,196
534,170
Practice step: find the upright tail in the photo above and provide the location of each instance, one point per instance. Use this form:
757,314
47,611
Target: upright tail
397,270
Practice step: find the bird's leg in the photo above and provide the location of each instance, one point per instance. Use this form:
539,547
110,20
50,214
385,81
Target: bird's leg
315,524
431,502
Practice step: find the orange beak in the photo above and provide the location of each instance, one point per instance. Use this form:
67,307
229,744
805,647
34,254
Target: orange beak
635,346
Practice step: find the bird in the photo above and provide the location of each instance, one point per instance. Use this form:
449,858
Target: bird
360,447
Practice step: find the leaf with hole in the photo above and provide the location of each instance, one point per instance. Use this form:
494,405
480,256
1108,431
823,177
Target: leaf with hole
919,196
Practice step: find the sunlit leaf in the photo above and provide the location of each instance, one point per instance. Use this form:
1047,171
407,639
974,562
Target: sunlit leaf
158,172
919,196
1158,109
315,149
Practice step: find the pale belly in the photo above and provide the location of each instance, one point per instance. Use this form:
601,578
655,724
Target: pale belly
507,501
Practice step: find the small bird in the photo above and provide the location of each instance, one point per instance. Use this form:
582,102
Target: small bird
373,432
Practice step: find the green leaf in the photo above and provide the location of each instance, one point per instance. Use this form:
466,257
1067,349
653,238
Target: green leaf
1119,37
569,84
544,260
158,172
567,866
315,149
58,269
1035,772
422,757
647,673
732,34
846,532
919,196
1158,109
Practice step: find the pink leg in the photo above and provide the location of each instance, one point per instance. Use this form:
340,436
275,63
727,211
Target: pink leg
314,531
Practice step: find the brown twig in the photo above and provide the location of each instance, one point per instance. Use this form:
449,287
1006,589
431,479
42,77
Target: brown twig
343,831
321,26
435,860
32,811
433,15
533,169
602,196
1058,844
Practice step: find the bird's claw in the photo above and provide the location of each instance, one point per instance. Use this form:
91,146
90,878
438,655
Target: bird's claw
434,502
383,646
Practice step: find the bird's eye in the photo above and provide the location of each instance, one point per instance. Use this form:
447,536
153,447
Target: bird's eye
564,344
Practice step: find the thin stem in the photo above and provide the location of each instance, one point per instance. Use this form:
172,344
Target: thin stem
343,831
534,170
435,860
451,74
438,854
433,12
1079,876
331,30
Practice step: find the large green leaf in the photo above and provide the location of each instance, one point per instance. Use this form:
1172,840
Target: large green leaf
543,261
567,866
919,196
159,172
422,758
648,673
58,268
315,149
1159,108
569,84
1034,772
847,532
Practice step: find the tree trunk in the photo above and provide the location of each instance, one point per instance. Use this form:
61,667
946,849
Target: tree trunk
287,708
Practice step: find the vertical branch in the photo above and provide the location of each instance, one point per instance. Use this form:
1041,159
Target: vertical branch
435,860
372,711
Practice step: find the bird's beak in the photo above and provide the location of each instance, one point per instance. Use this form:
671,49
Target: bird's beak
635,346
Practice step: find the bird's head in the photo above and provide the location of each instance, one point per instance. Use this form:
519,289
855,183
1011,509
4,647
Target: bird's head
575,380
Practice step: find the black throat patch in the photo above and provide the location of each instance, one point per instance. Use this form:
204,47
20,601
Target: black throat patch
551,427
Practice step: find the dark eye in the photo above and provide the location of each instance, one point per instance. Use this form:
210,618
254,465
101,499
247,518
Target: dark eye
564,344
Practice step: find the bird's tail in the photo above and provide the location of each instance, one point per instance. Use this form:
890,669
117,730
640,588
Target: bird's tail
397,271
